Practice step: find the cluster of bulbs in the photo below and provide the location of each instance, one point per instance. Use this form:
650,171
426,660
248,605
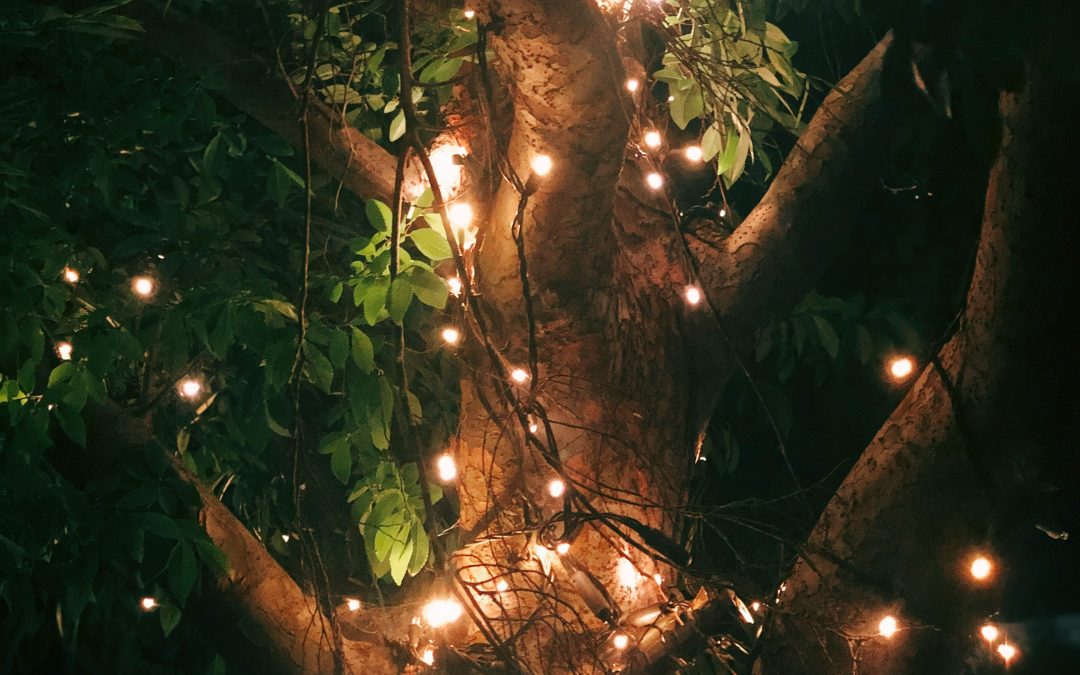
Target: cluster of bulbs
981,569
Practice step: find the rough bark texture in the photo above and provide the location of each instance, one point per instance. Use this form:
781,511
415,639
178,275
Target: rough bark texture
950,470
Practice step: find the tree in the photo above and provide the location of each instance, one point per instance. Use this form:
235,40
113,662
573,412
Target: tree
221,347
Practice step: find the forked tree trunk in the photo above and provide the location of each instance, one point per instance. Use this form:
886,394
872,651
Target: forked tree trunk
966,455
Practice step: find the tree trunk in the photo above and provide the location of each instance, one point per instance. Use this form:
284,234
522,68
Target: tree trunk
977,442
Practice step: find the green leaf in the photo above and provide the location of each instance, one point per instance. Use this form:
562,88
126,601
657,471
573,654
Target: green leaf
375,299
397,126
317,368
428,287
182,571
431,243
378,215
711,142
421,550
157,524
341,463
72,423
829,339
363,353
210,163
169,616
339,348
400,297
401,555
331,443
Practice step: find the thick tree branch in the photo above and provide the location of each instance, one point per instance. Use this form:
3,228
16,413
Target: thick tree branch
271,609
981,441
258,89
777,254
564,73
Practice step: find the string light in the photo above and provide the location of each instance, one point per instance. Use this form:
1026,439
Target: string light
285,538
654,180
556,488
989,632
353,604
533,426
63,350
501,586
632,85
518,375
454,284
71,275
693,295
981,568
446,467
653,139
541,165
900,368
442,611
428,656
694,153
148,603
627,573
469,14
620,641
1007,652
450,335
190,388
461,215
563,548
659,579
756,606
143,286
888,627
445,160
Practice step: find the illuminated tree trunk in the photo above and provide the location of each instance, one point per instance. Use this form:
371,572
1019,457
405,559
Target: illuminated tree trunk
978,440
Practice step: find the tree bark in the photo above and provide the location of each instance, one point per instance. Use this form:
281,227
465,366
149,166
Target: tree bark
977,441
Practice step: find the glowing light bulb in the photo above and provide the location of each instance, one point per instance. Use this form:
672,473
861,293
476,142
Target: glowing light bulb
63,350
627,573
556,488
353,604
71,275
461,215
989,632
533,427
190,388
620,641
658,579
445,160
756,606
469,13
501,586
148,603
693,295
888,627
694,153
981,568
654,180
518,375
541,165
653,139
428,656
1007,652
901,368
285,538
446,467
450,335
143,286
454,284
563,548
442,611
632,85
